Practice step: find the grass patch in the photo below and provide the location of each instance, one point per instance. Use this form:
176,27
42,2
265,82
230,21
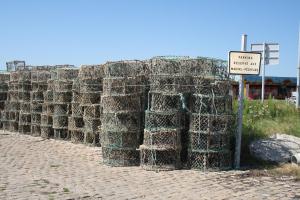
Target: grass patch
291,170
54,166
66,190
260,120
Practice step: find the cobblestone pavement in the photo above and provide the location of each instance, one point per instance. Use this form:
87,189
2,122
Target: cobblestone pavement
34,168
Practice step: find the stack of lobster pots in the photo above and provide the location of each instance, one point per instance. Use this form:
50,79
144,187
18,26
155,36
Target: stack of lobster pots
90,79
48,107
39,77
4,79
210,116
123,106
75,123
165,118
24,89
62,97
10,114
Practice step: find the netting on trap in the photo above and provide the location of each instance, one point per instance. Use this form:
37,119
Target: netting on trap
170,120
25,107
75,123
3,96
120,139
40,75
36,107
24,128
92,111
163,138
67,73
13,126
60,121
62,97
90,98
4,77
210,160
12,86
209,141
37,96
61,133
36,118
91,138
170,83
160,159
210,122
46,119
47,132
124,68
76,98
165,102
39,86
48,96
123,85
14,116
24,96
91,72
77,110
211,87
35,130
62,86
121,121
62,109
91,124
13,96
205,104
77,136
48,108
120,157
91,85
24,75
125,103
25,118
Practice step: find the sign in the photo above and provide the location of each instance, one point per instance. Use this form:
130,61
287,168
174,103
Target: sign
244,62
271,52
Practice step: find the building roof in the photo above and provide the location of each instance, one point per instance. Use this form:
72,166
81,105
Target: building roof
271,80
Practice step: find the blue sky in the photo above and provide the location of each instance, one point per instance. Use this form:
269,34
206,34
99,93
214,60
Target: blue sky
95,31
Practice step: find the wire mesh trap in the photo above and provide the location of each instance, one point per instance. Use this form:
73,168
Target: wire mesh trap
120,157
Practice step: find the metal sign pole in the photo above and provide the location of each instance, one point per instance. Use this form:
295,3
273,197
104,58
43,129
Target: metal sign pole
263,74
298,76
240,111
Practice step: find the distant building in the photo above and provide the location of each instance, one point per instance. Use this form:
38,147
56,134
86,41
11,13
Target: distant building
276,87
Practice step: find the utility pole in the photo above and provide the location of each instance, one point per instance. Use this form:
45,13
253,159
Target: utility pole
263,73
298,75
240,111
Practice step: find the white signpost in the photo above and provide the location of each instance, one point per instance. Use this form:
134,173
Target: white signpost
242,63
270,56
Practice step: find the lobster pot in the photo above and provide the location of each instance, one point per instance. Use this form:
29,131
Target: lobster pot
24,128
46,119
118,157
75,123
61,133
36,118
60,121
77,136
35,130
122,112
61,109
47,132
125,103
90,98
25,118
25,107
92,111
210,121
77,110
123,85
62,97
